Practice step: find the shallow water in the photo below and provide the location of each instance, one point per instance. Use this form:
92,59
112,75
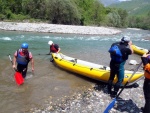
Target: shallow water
48,82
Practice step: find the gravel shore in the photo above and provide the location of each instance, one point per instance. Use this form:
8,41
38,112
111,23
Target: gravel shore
96,100
54,28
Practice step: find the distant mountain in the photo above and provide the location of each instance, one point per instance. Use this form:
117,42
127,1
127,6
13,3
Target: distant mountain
134,7
109,2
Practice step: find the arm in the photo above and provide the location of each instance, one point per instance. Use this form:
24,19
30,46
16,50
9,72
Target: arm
58,50
57,47
31,60
49,50
14,60
145,59
32,64
130,46
145,62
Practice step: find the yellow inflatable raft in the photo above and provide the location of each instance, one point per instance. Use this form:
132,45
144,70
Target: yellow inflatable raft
139,50
91,70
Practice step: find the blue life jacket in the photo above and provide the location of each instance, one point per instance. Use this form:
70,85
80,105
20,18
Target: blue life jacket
24,60
115,53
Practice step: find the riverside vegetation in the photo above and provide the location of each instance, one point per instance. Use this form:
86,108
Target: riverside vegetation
70,12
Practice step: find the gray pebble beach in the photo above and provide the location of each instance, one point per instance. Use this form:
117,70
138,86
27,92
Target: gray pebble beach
95,100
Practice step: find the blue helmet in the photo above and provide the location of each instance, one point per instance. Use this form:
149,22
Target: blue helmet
24,46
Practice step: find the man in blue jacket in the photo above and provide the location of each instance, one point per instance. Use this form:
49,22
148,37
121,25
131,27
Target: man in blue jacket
117,63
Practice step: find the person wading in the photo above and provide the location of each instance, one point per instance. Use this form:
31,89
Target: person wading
119,53
22,56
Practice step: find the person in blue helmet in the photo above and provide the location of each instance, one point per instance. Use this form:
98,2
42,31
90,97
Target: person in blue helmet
22,56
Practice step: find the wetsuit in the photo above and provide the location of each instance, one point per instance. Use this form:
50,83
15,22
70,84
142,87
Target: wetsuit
146,85
117,68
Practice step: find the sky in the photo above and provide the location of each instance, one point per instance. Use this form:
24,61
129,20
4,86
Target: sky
124,0
108,2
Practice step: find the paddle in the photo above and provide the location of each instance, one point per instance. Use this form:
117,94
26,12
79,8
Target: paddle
44,54
51,59
111,105
17,76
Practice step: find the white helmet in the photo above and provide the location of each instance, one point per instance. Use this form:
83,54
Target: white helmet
50,42
125,39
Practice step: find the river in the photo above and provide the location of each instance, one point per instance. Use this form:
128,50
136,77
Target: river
49,83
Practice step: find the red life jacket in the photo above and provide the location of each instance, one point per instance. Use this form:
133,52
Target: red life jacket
53,49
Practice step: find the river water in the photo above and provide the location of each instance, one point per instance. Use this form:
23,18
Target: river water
49,83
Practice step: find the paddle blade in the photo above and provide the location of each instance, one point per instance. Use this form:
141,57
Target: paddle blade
110,106
18,78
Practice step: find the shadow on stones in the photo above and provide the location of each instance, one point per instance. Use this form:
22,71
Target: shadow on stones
126,106
121,105
101,86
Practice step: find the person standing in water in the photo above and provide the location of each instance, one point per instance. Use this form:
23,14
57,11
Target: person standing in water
22,56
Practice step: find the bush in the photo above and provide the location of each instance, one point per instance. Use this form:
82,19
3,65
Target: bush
20,17
2,17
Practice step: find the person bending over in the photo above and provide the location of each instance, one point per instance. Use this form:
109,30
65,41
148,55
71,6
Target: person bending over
54,48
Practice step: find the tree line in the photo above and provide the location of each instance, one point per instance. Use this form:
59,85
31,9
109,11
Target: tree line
70,12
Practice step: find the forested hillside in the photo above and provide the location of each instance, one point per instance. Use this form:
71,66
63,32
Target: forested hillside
138,12
69,12
134,7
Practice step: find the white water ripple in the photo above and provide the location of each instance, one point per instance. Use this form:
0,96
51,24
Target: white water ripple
5,38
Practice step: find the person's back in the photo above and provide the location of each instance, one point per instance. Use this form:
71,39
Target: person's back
117,63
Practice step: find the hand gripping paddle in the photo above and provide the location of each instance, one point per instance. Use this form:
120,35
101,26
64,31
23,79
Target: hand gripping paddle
17,76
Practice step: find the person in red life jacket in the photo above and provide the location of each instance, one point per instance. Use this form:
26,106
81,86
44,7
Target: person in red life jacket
146,86
22,56
54,48
117,63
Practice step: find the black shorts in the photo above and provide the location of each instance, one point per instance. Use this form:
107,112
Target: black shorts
22,69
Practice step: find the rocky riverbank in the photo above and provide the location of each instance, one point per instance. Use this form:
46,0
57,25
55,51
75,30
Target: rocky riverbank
54,28
96,100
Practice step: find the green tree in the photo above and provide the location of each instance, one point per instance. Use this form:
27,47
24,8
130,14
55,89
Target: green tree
114,19
98,14
63,12
123,17
35,8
